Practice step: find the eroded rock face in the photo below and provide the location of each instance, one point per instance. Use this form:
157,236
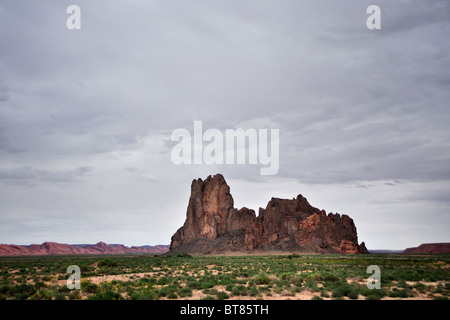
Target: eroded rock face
286,225
211,212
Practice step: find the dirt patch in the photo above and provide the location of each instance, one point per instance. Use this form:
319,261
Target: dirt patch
116,277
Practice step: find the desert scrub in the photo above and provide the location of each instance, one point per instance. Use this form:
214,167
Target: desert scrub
325,273
341,289
312,285
324,294
225,280
163,281
253,291
108,295
89,287
235,291
396,293
210,291
262,279
143,294
146,281
22,291
239,290
373,294
168,291
420,287
193,284
222,295
109,263
185,292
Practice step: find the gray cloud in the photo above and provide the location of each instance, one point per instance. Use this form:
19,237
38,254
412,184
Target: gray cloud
28,176
91,111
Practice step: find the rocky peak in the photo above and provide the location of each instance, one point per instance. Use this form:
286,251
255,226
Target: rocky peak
213,225
211,212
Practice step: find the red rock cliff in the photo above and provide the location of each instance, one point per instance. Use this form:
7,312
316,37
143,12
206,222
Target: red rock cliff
213,225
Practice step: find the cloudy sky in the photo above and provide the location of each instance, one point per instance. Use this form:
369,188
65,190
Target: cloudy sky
86,116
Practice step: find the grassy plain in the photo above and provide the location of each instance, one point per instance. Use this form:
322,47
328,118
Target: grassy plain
138,277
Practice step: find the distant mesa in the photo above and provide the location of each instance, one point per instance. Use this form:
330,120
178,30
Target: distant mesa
214,226
429,248
54,248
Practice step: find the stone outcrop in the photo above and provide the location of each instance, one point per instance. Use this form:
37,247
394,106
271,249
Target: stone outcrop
429,248
214,226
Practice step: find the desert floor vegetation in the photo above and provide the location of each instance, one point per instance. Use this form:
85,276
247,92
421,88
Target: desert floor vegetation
275,277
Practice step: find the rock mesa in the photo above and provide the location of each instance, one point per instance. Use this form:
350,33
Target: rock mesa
214,226
429,248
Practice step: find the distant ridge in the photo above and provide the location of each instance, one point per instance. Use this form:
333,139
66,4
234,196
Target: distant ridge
54,248
385,251
430,248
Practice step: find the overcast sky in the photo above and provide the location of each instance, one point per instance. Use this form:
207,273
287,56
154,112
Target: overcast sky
86,115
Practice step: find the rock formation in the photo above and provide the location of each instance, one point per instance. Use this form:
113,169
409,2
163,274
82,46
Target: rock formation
214,226
429,248
54,248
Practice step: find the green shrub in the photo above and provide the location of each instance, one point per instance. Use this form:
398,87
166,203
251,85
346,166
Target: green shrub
375,295
420,287
22,291
59,296
207,284
225,280
229,287
329,277
74,295
337,293
146,281
353,294
312,285
193,284
5,289
137,296
345,289
395,293
167,291
185,292
235,291
64,289
324,294
89,287
148,295
262,279
163,281
172,295
107,263
286,276
222,295
210,291
108,295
